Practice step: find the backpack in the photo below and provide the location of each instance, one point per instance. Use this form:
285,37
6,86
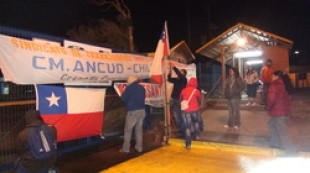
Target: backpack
42,142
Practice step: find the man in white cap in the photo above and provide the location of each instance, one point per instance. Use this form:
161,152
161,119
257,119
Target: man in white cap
134,97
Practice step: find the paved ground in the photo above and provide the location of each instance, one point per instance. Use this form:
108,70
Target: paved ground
253,132
254,124
212,157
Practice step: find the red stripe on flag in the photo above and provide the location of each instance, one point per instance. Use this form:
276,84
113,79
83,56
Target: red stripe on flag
158,79
76,126
162,51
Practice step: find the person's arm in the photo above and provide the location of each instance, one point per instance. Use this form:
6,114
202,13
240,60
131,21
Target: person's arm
125,95
170,79
271,97
198,93
256,78
261,73
241,85
178,72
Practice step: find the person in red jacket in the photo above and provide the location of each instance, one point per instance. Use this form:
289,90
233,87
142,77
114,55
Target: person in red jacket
191,115
278,107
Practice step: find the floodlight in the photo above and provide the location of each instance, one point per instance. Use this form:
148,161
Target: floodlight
241,42
252,62
248,54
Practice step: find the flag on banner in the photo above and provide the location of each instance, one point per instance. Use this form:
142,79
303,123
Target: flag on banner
75,112
162,50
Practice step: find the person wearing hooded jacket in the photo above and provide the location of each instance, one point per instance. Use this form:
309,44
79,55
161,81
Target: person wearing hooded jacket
192,114
26,163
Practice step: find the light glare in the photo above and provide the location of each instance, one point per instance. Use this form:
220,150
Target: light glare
252,62
241,41
248,54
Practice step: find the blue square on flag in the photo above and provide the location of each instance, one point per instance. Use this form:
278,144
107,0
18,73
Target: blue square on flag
52,99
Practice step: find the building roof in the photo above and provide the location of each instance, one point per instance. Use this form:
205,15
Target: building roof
255,38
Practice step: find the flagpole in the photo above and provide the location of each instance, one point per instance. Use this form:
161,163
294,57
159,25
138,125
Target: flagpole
166,106
166,100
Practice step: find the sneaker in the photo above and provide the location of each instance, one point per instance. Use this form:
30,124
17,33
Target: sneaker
226,126
139,151
248,104
236,127
188,147
122,151
254,104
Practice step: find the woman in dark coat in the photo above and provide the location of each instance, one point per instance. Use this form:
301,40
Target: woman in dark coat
232,92
278,106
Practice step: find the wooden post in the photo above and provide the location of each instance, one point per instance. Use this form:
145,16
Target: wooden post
166,106
223,65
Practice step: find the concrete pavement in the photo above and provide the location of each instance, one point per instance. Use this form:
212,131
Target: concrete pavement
254,123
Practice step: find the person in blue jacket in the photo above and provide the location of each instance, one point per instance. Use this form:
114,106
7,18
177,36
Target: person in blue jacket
134,97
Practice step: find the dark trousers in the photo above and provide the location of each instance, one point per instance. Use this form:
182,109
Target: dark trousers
233,112
265,92
279,137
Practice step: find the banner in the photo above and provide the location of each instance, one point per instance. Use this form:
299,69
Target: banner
87,47
153,93
29,62
75,112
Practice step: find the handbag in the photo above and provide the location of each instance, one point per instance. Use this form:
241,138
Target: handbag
185,103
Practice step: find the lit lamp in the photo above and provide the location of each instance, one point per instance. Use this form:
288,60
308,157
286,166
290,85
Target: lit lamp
248,54
241,42
253,62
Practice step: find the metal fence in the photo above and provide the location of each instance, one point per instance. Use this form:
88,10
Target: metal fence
13,105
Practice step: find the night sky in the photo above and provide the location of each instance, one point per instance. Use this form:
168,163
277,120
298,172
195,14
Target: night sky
195,21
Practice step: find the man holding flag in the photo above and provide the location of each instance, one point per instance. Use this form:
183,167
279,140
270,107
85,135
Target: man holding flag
179,83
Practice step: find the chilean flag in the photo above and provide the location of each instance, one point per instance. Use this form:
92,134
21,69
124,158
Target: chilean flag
75,112
162,51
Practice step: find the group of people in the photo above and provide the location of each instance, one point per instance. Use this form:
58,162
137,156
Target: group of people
277,91
186,102
134,96
188,117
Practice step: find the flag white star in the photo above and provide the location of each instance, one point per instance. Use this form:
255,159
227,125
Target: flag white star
53,99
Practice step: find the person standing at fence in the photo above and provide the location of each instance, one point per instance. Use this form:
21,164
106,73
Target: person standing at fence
179,83
37,146
266,76
251,79
134,97
232,92
191,113
278,107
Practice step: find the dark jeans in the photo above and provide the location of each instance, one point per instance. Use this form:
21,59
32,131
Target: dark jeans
265,92
189,119
176,108
19,168
147,123
233,112
279,137
251,90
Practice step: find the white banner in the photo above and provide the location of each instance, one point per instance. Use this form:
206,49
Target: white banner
153,93
28,62
86,47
